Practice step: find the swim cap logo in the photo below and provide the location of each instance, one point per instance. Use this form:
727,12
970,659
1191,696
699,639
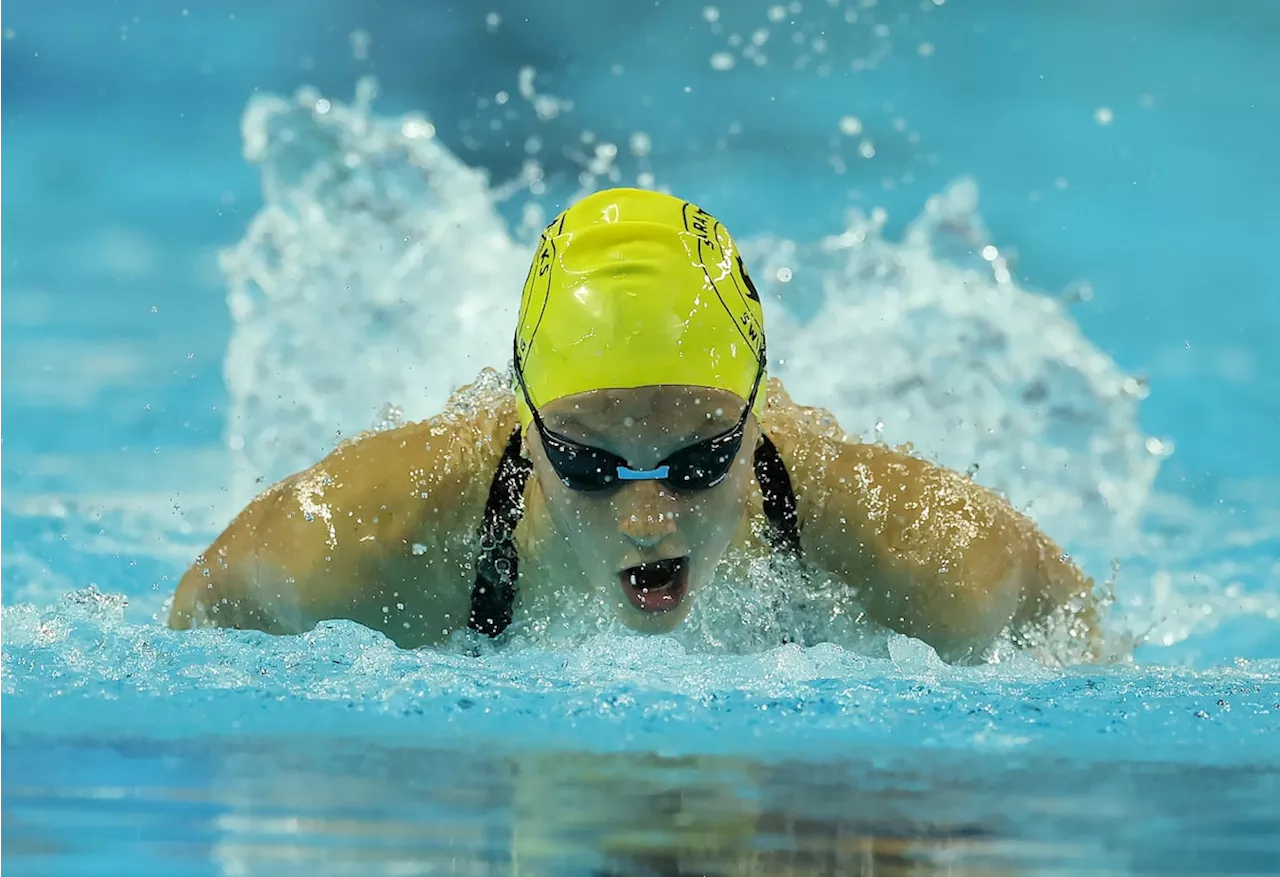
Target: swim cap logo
713,241
699,223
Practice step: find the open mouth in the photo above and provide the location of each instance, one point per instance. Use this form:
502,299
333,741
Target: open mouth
657,586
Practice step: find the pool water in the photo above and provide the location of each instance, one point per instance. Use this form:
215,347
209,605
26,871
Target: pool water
1032,240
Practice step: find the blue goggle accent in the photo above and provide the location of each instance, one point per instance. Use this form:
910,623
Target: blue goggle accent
628,474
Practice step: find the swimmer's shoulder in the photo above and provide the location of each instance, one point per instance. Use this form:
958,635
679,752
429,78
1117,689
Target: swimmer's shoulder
442,466
790,425
382,531
832,471
807,438
421,482
829,466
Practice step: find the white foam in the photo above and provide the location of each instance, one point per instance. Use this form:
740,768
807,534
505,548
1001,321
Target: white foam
374,272
930,341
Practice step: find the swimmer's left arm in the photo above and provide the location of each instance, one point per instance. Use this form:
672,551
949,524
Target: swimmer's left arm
931,553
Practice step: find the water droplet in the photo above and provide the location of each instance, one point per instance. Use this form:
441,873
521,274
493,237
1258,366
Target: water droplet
360,40
722,61
417,128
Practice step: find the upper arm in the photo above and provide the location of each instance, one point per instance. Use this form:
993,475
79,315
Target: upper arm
931,553
375,532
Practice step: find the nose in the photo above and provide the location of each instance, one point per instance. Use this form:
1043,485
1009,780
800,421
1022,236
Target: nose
649,518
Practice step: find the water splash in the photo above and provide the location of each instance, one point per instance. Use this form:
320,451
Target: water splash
80,664
930,342
370,275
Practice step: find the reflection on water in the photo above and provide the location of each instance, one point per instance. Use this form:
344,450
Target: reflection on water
641,814
350,809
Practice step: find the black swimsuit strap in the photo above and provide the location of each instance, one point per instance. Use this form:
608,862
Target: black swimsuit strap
498,566
779,499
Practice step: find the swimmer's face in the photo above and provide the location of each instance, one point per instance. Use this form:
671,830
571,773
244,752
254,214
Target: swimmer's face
650,543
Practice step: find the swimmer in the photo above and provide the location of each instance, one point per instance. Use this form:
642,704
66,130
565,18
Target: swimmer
641,452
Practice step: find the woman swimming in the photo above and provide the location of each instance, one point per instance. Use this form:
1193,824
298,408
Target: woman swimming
636,457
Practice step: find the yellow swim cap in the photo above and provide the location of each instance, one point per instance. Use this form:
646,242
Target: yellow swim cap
632,288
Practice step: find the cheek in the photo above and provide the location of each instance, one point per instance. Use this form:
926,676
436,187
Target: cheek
718,510
581,517
566,505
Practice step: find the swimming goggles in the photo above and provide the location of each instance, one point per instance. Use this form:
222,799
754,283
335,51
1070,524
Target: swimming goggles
699,466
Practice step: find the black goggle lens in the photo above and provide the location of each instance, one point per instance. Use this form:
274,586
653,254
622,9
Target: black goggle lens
699,466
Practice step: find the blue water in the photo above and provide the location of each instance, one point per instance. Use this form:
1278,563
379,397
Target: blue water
1116,157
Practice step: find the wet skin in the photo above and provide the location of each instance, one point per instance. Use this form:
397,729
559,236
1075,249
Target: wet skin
384,531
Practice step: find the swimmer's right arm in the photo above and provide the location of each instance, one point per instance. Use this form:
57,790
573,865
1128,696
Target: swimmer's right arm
378,532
